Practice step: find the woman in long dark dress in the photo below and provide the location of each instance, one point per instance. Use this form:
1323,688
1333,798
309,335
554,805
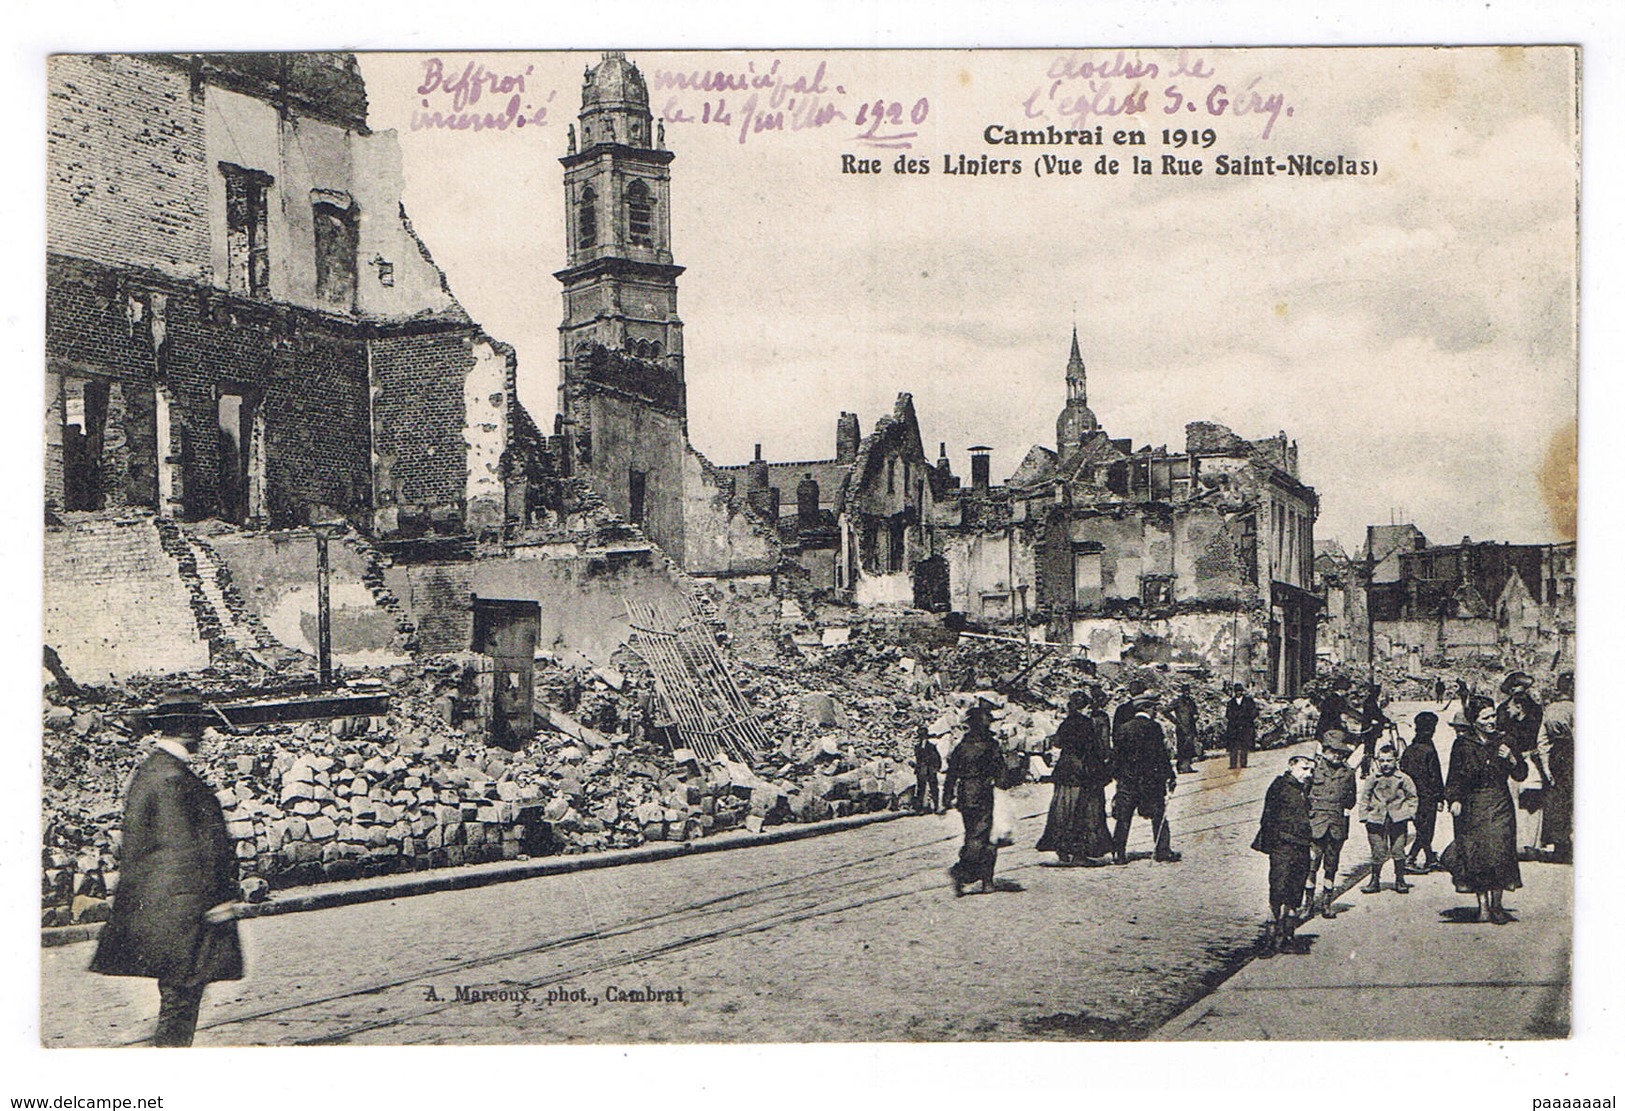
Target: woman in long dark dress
1483,859
1076,828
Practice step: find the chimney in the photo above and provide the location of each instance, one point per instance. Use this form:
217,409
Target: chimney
979,463
756,472
846,438
807,502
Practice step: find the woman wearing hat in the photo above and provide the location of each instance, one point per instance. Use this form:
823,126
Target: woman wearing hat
974,769
1483,859
1076,828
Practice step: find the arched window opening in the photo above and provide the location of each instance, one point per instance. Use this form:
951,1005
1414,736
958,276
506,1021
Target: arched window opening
588,226
640,215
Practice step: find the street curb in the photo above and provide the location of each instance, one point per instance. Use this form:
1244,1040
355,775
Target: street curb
1200,1009
406,885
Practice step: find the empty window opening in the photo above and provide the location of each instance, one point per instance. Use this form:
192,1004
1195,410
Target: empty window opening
84,424
637,495
336,255
242,457
248,261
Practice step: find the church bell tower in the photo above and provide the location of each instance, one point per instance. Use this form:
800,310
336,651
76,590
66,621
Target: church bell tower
620,327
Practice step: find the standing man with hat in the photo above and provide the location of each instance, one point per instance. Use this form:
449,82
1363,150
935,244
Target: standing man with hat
173,914
1240,724
1145,775
1331,797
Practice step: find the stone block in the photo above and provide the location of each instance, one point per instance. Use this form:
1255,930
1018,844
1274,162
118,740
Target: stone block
323,828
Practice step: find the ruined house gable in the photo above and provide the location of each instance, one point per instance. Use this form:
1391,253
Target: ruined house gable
1039,465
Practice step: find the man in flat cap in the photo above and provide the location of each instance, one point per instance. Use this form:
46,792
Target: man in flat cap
1145,775
173,912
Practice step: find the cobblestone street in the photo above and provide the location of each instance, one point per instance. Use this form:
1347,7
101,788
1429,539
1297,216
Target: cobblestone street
853,936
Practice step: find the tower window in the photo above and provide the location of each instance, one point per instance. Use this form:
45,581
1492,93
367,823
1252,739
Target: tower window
588,226
640,215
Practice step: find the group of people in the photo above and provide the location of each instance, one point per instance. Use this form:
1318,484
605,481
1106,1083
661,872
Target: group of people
1094,749
1398,793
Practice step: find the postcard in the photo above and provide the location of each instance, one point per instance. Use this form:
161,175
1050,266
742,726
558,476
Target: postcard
1090,556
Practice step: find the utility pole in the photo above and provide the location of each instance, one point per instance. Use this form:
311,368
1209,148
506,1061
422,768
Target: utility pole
323,532
324,614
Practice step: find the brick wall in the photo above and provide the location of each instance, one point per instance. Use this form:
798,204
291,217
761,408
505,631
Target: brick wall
126,182
309,373
418,415
115,603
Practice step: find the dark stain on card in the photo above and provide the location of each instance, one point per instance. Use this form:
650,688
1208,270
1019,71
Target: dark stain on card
1559,478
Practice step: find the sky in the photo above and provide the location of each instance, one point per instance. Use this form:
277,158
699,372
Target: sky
1413,330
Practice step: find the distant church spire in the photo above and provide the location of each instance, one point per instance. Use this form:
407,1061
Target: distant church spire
1077,388
1076,422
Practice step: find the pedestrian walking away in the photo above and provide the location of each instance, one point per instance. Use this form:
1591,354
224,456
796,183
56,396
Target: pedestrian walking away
1076,829
1283,834
1332,706
1373,723
1145,775
1420,761
1182,710
173,913
1240,724
1483,859
927,763
1331,797
974,769
1387,805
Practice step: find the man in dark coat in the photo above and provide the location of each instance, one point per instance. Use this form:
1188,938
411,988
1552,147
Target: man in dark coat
172,914
1420,761
974,767
1240,724
1183,712
927,763
1283,833
1145,775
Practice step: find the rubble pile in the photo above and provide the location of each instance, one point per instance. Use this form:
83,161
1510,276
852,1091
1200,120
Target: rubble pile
843,698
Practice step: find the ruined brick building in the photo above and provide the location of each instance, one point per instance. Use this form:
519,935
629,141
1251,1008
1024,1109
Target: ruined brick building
245,336
1199,557
1401,598
241,323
